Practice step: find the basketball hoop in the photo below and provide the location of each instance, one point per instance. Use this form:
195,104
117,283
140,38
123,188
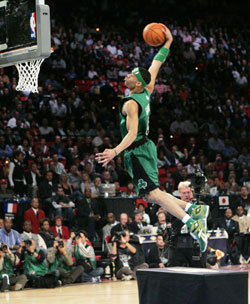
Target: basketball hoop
28,75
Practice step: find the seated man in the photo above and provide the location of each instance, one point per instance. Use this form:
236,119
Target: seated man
158,254
8,279
47,235
63,207
28,235
137,226
61,231
127,258
34,215
123,225
85,256
4,191
60,260
9,236
106,230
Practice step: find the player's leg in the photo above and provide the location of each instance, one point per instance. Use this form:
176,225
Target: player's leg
197,228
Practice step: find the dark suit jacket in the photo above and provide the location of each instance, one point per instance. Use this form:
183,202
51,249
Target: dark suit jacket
231,230
65,232
134,227
29,180
153,258
84,208
119,227
30,215
45,189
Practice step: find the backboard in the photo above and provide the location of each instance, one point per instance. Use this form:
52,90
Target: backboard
24,31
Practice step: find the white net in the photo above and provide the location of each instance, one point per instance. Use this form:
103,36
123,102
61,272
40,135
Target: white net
28,75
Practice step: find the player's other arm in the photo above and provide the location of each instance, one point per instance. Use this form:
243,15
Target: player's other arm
131,110
156,64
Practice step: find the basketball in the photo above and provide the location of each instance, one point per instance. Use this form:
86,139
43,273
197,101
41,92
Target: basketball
153,34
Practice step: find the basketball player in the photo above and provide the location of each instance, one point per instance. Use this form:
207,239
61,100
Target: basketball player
140,154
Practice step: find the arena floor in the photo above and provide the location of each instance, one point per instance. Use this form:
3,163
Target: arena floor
104,293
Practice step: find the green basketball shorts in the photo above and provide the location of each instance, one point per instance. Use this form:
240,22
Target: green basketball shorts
141,164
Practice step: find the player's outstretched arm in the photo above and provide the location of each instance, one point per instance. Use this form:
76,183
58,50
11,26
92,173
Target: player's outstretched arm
159,59
131,110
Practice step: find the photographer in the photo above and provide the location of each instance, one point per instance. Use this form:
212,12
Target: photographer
183,249
85,256
33,259
8,279
126,258
60,260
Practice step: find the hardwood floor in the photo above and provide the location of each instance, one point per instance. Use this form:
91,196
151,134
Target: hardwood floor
104,293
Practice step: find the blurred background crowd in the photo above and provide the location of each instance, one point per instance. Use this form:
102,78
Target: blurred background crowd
200,114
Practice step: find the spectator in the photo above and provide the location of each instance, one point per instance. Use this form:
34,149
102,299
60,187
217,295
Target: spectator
95,187
34,215
61,231
47,189
244,199
88,214
58,148
33,178
4,191
5,149
106,230
58,166
232,228
123,225
1,223
28,235
9,236
47,235
138,226
158,254
46,131
145,216
16,174
74,177
63,206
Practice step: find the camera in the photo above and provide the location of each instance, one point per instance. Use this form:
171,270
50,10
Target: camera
118,235
198,180
3,247
28,243
60,244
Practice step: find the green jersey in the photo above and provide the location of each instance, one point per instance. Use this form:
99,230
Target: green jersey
32,266
7,267
143,99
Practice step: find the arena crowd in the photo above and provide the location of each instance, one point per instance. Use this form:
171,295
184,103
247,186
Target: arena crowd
48,141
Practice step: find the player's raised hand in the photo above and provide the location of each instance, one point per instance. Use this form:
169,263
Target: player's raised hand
168,34
105,157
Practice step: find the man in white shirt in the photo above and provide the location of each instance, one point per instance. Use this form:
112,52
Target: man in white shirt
106,230
28,235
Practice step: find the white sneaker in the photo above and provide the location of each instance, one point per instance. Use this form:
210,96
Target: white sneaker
126,277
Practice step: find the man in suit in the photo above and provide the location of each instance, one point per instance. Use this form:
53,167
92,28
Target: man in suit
137,226
33,178
88,214
61,231
47,189
123,225
158,254
232,228
34,215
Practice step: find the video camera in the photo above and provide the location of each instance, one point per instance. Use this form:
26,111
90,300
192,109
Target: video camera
198,180
3,247
27,243
60,244
118,235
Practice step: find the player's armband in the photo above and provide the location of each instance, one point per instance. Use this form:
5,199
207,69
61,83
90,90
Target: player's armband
162,54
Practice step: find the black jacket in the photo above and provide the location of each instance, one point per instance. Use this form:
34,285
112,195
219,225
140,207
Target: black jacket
134,227
84,208
232,230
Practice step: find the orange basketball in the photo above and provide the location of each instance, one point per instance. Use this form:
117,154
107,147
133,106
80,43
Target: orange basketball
153,34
